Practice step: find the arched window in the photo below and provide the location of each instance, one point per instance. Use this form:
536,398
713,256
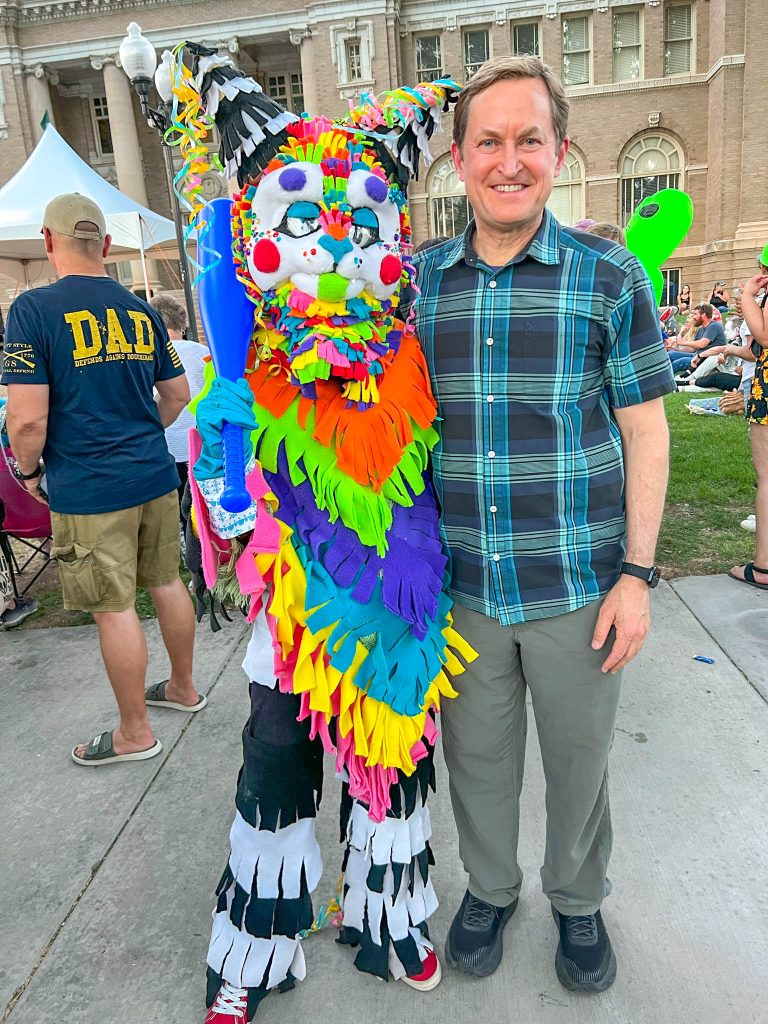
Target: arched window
651,163
449,209
566,200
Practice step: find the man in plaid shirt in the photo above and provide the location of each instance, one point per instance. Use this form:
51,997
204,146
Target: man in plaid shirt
547,362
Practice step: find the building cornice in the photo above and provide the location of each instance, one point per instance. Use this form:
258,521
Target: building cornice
649,84
451,14
22,13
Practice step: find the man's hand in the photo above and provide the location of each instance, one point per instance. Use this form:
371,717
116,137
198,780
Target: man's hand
627,607
695,362
33,489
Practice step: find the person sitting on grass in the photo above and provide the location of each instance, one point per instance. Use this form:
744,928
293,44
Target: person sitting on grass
709,334
755,573
722,367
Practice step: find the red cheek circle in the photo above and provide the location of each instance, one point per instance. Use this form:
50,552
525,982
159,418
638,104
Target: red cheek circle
390,270
266,256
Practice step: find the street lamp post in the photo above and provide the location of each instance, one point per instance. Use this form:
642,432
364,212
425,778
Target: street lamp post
139,60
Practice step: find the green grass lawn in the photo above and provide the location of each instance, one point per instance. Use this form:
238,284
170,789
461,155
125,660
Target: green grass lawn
711,489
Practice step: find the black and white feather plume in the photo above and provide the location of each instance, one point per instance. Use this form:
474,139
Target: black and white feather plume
251,124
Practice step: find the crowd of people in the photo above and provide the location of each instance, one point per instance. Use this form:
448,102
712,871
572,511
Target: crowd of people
550,577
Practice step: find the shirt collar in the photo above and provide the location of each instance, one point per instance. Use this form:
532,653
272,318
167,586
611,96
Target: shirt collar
543,247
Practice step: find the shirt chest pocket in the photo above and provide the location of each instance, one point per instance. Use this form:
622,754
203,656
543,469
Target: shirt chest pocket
553,342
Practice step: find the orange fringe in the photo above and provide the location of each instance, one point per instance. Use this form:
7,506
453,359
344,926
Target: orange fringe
369,443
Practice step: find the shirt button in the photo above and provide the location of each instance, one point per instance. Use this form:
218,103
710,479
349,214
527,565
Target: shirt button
493,508
491,284
497,558
490,398
489,341
491,454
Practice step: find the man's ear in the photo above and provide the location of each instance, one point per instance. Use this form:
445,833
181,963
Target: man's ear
565,145
458,163
107,243
48,241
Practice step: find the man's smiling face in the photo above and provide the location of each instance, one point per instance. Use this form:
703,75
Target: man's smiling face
510,156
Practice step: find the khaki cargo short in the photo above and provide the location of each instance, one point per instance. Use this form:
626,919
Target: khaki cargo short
102,558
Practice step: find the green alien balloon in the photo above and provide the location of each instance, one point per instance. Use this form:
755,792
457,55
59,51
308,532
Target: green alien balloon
657,227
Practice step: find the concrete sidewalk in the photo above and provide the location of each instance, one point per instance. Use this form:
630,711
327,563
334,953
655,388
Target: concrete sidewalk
107,875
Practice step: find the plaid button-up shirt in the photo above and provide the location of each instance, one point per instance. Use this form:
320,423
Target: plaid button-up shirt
527,362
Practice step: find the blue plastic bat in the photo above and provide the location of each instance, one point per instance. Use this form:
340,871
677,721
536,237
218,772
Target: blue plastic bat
227,316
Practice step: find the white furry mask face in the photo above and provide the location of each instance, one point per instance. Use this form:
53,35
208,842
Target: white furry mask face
332,244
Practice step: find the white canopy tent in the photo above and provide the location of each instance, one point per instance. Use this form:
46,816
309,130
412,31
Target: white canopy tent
52,169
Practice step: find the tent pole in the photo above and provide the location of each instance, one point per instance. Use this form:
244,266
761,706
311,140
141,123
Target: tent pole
147,291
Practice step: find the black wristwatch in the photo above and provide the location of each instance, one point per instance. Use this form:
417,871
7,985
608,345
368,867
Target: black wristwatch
27,476
642,572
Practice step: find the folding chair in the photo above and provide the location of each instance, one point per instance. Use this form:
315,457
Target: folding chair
24,520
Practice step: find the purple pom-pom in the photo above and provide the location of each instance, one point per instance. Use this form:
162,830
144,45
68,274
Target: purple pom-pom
376,189
292,179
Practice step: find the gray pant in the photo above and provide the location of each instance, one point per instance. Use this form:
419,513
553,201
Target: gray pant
484,733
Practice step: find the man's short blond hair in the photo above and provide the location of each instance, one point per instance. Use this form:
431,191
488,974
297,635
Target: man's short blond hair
501,69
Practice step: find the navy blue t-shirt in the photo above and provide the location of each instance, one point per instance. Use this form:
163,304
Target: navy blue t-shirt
100,350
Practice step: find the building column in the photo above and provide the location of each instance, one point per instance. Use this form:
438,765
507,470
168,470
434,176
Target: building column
39,100
125,137
303,39
127,151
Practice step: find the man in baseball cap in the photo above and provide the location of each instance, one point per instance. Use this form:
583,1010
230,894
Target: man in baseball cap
83,357
75,216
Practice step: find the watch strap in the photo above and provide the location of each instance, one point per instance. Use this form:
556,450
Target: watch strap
28,476
641,572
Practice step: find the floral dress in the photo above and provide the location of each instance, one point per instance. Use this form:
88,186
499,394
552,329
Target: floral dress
757,406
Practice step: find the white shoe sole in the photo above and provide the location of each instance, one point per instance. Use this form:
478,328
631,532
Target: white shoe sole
748,524
141,755
429,984
203,702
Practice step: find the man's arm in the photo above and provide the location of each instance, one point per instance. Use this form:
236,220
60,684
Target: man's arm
692,345
27,426
645,438
173,395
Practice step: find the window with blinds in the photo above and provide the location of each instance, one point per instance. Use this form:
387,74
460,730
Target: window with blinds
678,40
448,204
651,163
429,58
476,50
627,53
566,200
576,51
525,40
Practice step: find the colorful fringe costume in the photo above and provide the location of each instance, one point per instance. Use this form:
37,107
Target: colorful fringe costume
340,548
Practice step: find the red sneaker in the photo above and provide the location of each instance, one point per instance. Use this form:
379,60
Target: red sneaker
229,1007
428,978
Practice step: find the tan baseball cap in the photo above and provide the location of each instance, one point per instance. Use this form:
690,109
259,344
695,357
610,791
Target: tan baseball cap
74,215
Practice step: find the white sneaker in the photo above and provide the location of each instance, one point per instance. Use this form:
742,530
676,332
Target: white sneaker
749,524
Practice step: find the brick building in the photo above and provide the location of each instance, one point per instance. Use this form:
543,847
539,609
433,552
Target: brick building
663,93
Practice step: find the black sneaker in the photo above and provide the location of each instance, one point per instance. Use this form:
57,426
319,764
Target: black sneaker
15,616
585,961
474,940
